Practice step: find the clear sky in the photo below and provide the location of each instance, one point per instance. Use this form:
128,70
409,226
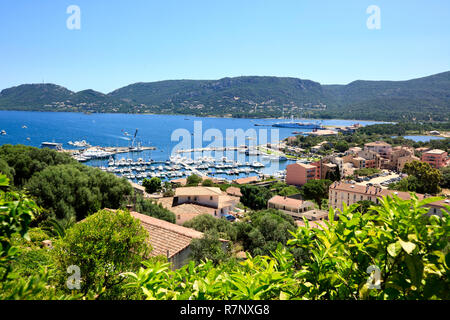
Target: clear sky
122,42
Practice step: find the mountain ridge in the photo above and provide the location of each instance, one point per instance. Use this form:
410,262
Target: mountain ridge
249,96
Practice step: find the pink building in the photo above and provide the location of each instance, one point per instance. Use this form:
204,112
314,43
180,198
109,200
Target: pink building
436,158
298,174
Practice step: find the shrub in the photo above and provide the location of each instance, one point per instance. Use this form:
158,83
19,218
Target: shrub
103,246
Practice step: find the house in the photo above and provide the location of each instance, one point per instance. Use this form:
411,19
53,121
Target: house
293,207
348,193
315,215
298,174
189,202
170,240
436,158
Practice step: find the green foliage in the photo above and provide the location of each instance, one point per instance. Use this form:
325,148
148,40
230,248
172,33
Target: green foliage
16,213
255,197
409,249
25,161
207,183
152,209
6,170
316,190
265,230
103,246
288,191
209,248
206,222
193,180
427,178
445,182
152,185
416,99
366,171
76,191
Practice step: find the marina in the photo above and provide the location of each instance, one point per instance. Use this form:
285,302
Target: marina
96,139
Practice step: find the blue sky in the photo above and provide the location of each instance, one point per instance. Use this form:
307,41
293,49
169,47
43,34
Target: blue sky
123,42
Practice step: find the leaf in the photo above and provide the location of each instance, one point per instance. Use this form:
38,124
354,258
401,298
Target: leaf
394,249
407,246
415,267
284,296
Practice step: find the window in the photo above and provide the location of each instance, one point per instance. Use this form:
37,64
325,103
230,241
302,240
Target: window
210,198
189,198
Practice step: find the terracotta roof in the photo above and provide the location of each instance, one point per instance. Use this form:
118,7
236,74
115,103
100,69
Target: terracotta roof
285,201
303,165
246,180
197,191
234,191
166,238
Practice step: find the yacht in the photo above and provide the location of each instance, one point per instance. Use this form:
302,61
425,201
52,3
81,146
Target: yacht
3,132
257,164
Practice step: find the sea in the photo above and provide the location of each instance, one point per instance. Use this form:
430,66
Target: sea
167,133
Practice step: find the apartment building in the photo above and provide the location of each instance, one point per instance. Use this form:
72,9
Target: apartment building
348,193
436,158
380,147
400,156
298,174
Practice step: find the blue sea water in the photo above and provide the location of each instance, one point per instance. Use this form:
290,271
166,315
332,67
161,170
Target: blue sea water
423,138
103,129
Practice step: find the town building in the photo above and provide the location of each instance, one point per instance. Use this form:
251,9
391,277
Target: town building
170,240
189,202
350,193
400,156
380,147
436,158
298,174
293,207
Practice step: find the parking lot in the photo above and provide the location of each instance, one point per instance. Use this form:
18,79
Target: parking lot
383,179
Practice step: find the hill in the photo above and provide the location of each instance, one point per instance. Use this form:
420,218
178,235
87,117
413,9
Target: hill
426,98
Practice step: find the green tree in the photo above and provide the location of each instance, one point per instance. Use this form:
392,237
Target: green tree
206,222
428,178
103,246
445,182
207,183
341,146
288,191
255,197
209,248
316,190
152,209
193,180
152,185
77,191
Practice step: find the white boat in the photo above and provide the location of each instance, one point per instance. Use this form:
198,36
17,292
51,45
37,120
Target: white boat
257,164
